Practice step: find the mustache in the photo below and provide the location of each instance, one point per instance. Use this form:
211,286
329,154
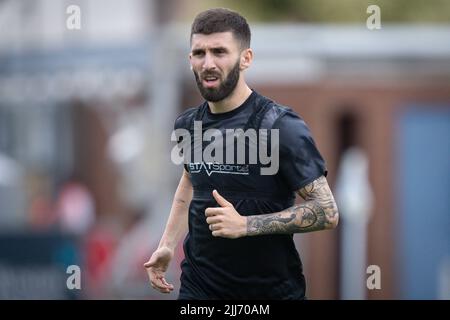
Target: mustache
205,74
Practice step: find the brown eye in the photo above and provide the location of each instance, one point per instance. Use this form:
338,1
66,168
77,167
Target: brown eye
219,51
197,53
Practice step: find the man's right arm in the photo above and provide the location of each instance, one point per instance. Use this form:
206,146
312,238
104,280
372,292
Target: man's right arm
177,224
176,227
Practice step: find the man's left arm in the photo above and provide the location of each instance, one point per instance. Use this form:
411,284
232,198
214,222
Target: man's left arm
318,212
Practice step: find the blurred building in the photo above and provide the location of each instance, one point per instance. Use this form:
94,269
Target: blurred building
77,108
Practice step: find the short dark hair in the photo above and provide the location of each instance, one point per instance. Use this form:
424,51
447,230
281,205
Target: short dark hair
222,20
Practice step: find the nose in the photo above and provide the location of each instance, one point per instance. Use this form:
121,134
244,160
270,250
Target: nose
208,63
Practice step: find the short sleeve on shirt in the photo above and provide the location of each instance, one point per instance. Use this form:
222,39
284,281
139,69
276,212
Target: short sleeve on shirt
183,121
300,160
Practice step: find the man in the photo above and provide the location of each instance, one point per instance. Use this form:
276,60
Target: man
241,222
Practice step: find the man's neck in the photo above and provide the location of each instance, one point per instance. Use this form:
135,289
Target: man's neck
234,100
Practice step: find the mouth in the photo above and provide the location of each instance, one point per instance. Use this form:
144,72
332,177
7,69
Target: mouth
210,81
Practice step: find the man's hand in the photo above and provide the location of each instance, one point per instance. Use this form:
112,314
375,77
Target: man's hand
157,267
225,221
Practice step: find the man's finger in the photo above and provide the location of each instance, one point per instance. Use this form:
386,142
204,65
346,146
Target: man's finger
161,289
155,278
217,233
214,219
210,212
215,227
159,285
168,285
221,200
151,262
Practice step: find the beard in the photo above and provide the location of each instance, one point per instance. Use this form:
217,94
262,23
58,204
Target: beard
224,89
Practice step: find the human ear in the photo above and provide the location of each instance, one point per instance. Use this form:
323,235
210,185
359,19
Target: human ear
190,61
246,58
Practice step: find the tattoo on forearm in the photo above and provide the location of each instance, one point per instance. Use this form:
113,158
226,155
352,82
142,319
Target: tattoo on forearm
318,212
181,202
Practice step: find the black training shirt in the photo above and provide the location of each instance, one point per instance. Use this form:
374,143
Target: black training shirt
257,267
